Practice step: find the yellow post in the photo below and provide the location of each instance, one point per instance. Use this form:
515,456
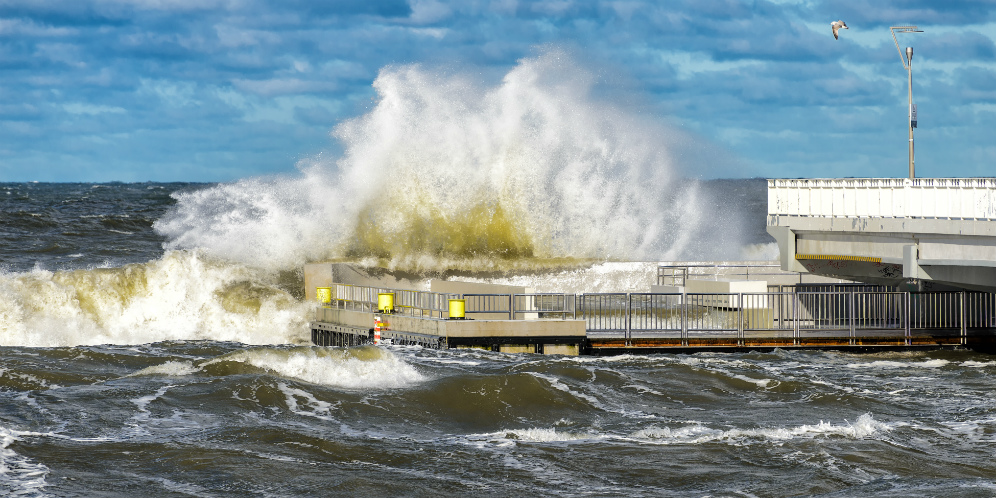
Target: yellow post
385,302
324,295
458,309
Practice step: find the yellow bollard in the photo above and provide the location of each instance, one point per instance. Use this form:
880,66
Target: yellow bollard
458,308
385,302
324,295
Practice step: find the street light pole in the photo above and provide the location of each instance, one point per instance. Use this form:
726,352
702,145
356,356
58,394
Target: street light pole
908,66
909,72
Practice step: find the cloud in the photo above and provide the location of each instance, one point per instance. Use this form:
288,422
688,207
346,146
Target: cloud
764,79
879,14
77,108
283,86
959,46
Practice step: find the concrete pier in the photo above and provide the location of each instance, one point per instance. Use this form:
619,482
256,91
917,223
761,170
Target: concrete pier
347,327
804,316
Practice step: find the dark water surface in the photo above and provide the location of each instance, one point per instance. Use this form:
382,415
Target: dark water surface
217,419
127,370
81,225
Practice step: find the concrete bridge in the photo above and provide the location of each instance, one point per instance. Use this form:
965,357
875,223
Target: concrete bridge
931,233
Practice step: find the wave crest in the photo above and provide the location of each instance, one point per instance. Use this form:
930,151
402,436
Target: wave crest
445,168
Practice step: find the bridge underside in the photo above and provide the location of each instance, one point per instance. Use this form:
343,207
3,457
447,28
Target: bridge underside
928,254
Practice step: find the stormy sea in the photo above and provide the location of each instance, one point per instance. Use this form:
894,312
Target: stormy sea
154,336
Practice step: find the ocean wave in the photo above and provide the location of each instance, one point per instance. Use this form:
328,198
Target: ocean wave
444,172
20,475
366,367
182,296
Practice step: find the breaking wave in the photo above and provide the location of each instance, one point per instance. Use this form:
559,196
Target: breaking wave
447,172
182,296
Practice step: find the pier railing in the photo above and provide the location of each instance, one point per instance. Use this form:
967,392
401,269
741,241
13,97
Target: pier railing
930,198
679,275
676,275
407,302
800,314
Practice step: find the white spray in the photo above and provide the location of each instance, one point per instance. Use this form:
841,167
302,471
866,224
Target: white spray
444,168
182,296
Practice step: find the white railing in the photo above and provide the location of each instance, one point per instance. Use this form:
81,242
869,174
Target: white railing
932,198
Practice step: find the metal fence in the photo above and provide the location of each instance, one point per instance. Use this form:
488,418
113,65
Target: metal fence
489,306
677,275
544,306
406,302
845,313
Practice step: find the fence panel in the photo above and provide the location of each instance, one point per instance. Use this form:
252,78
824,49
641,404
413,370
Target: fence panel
545,306
655,315
605,314
824,314
879,311
980,310
937,314
489,306
713,316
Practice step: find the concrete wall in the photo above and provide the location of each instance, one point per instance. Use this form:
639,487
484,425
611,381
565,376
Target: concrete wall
455,328
723,293
324,274
518,328
458,287
316,275
519,336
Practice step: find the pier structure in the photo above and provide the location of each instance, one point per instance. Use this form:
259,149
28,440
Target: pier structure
864,264
923,233
796,315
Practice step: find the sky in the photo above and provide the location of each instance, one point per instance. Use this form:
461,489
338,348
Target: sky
217,90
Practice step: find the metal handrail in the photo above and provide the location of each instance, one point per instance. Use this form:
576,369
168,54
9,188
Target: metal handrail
493,304
795,314
542,305
407,302
677,275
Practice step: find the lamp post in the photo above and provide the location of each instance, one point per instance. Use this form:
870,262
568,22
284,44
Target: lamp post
908,65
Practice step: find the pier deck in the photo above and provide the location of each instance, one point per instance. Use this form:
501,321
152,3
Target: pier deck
846,317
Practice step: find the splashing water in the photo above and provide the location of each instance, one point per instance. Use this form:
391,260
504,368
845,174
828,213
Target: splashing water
445,171
181,296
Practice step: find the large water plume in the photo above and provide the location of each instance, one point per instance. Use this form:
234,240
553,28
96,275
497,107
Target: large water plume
445,171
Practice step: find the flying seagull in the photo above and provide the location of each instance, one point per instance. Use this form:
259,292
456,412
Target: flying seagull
836,25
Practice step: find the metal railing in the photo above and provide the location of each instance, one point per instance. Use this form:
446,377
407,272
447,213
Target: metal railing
676,275
938,198
545,306
407,302
866,311
490,306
